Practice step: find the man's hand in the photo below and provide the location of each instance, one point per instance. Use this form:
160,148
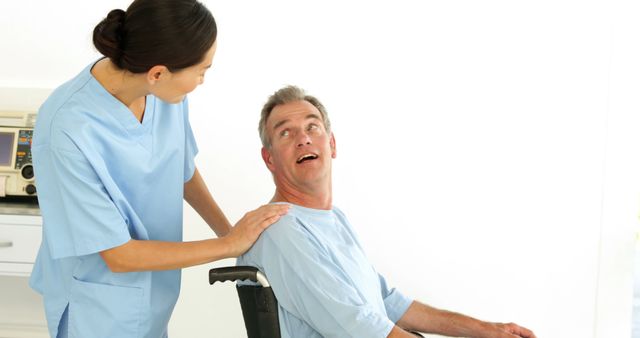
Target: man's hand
512,330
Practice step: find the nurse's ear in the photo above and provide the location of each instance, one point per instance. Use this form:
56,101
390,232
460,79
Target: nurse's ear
157,73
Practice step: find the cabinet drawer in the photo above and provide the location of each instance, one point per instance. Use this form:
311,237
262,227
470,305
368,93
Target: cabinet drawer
19,243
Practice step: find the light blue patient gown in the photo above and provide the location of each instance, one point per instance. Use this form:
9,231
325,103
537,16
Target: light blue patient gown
104,178
324,283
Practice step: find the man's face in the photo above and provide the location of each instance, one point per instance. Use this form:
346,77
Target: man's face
301,149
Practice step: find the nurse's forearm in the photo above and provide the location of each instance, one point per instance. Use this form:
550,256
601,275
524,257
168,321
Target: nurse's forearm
201,200
137,255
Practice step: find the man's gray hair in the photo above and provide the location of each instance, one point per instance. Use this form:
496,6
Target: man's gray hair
284,96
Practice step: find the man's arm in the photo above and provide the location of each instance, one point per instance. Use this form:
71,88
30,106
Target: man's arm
311,288
200,199
423,318
398,332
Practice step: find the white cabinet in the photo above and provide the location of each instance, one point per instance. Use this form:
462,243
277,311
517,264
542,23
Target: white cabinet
21,309
20,237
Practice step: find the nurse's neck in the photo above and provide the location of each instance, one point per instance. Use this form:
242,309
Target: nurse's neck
129,88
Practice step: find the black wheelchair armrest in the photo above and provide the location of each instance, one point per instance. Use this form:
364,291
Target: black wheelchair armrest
233,273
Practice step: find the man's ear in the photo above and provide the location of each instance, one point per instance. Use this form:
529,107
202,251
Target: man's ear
266,157
157,73
332,144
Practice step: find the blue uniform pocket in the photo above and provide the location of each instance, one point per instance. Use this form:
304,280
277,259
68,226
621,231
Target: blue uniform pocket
102,310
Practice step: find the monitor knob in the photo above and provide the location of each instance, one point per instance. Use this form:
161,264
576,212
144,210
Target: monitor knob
27,172
30,189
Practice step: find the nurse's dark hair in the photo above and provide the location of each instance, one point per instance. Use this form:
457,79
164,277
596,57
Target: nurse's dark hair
283,96
172,33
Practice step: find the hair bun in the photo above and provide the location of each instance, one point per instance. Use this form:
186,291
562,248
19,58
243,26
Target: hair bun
107,35
174,33
116,15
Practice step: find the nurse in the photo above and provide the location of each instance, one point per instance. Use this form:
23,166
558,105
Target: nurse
114,158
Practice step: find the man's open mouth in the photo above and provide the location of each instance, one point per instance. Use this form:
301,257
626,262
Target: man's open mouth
306,157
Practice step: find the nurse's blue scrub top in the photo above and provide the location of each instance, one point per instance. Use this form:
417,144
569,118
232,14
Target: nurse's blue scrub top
104,178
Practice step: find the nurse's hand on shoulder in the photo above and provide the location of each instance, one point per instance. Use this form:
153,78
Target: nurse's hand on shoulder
251,225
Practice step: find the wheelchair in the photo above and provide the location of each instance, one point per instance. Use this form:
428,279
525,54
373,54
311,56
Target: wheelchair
258,302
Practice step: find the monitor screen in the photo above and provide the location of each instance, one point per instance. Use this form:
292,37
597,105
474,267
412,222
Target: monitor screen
6,148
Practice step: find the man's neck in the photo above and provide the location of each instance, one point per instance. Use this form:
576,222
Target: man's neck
308,200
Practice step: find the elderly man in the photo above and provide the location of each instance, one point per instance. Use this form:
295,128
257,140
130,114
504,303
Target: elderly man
317,268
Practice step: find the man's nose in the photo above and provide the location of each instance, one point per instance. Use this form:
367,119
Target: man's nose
303,140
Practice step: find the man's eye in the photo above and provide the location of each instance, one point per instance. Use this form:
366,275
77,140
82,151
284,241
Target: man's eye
284,133
312,127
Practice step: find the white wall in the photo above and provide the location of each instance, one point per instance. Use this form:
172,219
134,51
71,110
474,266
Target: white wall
485,149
